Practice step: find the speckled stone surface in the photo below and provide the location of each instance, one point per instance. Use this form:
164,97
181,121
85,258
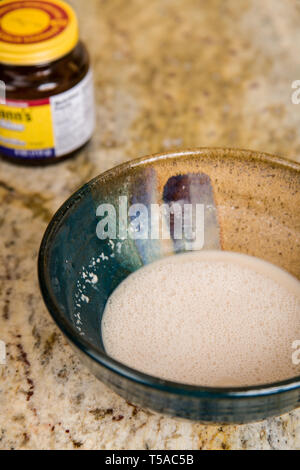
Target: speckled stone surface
168,74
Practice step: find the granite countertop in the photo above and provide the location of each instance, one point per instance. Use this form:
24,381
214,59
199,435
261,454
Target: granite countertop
168,74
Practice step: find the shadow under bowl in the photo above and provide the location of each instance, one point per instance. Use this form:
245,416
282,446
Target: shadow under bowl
251,205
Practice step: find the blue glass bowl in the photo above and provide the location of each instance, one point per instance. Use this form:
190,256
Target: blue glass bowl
244,191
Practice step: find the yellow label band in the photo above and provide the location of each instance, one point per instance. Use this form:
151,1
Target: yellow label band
26,129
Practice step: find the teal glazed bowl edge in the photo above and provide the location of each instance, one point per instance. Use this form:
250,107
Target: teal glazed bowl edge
78,271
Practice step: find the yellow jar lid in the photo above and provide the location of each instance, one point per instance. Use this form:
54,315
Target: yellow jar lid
36,31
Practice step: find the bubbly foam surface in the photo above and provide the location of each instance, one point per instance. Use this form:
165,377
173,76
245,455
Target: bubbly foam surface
206,318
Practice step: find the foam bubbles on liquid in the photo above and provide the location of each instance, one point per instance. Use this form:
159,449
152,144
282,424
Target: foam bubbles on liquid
206,318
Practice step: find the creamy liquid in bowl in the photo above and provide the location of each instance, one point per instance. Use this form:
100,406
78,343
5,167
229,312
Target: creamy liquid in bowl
209,318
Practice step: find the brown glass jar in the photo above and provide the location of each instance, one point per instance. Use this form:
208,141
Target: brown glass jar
48,110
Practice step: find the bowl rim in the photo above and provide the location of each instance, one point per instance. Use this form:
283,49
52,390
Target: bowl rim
165,386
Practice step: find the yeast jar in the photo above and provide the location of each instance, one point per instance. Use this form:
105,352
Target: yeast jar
46,102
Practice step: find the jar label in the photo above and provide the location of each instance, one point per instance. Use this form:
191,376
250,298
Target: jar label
48,127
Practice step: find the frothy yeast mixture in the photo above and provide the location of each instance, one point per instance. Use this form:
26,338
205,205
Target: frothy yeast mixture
209,318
